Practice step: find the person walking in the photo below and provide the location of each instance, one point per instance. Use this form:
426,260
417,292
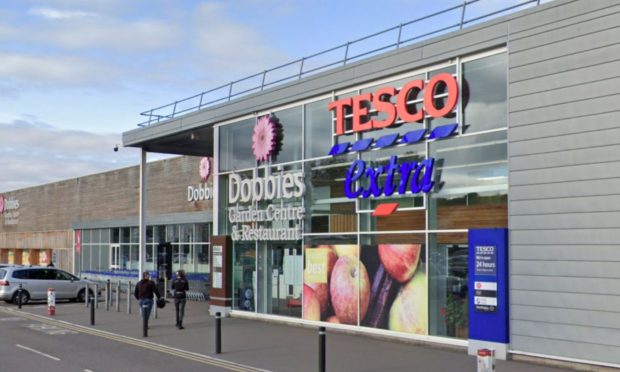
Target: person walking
145,290
180,286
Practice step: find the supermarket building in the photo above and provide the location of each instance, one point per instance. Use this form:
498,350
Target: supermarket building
376,195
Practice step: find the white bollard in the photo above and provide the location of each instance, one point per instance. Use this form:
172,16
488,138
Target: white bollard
486,360
51,301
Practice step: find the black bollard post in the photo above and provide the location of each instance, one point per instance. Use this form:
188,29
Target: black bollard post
19,296
108,295
145,321
321,349
91,300
218,333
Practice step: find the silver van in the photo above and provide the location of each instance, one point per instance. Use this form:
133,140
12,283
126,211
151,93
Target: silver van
37,280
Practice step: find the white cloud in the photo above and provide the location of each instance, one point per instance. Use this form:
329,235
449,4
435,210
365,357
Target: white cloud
34,153
230,45
57,14
53,69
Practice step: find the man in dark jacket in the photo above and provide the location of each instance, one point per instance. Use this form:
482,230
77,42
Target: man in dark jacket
144,293
180,286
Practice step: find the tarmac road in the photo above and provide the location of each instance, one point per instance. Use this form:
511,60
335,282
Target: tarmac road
31,343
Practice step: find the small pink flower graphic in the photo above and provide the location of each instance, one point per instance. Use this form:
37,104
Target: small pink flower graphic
205,169
264,138
1,203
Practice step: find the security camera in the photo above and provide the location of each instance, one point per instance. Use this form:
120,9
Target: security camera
115,148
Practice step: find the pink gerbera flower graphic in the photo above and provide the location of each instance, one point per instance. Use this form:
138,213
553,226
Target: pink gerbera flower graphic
205,168
264,138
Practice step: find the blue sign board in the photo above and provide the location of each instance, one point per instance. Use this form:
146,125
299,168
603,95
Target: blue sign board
488,285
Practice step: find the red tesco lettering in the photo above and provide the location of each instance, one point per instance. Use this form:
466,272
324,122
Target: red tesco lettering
380,100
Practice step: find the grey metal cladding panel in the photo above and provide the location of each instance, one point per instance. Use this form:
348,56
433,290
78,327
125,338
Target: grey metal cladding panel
583,24
564,174
583,301
600,220
578,91
590,335
573,189
566,111
564,142
494,33
566,158
561,48
570,236
566,252
566,316
602,286
566,349
556,11
581,59
571,79
552,273
560,22
565,126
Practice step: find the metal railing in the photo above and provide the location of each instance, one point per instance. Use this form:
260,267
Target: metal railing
304,66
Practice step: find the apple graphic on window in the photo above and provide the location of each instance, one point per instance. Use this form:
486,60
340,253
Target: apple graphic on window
349,281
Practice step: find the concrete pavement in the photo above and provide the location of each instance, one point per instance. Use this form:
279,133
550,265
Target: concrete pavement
269,345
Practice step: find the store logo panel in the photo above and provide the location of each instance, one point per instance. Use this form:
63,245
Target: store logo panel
415,176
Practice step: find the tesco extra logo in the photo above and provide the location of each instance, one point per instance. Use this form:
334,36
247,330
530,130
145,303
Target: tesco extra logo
440,96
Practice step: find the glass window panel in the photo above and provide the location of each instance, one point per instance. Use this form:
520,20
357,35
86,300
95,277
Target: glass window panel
172,233
317,129
124,257
186,232
86,254
448,290
471,182
244,276
484,93
202,258
86,236
116,235
125,234
104,257
202,232
104,236
135,235
160,234
327,207
291,122
134,257
236,145
149,234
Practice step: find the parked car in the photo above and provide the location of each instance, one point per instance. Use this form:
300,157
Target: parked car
35,282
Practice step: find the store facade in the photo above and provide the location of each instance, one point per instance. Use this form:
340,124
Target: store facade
349,196
89,225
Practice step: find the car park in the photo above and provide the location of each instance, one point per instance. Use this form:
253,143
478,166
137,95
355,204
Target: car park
35,282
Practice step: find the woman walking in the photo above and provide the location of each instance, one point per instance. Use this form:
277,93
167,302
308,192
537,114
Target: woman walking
179,287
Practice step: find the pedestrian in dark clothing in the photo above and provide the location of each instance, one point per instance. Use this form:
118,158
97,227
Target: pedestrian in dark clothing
180,286
144,293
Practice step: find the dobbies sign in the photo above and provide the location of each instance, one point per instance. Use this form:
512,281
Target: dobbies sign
202,191
415,176
9,210
278,221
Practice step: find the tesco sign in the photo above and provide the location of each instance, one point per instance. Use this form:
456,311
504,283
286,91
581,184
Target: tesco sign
380,100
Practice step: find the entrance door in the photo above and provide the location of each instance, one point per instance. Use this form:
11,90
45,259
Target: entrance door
280,272
115,257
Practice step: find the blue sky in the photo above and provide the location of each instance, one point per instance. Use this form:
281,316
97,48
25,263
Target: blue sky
75,74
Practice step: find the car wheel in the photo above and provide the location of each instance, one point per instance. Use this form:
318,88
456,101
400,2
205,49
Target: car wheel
81,297
25,297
